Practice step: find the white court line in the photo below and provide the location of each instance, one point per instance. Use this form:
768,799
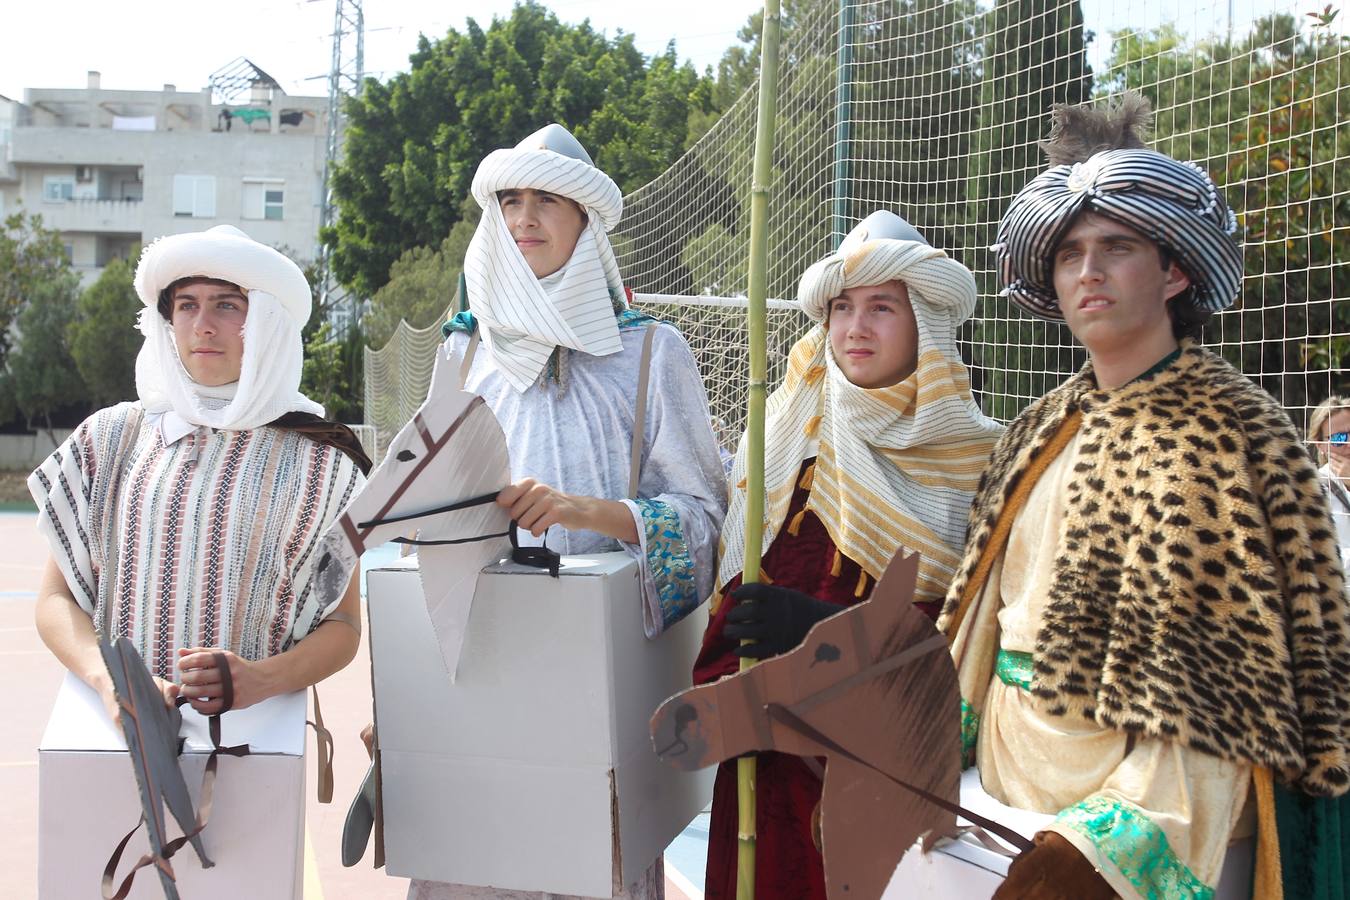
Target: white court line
313,889
684,884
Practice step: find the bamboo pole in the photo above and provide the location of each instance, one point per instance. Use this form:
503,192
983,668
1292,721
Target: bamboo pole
757,316
843,125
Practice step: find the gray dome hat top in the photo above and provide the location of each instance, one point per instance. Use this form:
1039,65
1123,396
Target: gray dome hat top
882,225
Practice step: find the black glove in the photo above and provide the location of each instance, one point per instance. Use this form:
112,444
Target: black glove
773,619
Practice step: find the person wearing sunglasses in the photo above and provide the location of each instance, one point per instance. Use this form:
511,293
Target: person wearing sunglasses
1329,433
1150,622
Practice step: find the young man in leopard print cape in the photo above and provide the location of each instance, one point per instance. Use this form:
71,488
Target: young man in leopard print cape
1150,621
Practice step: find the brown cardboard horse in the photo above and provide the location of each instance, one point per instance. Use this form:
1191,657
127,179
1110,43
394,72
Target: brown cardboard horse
873,691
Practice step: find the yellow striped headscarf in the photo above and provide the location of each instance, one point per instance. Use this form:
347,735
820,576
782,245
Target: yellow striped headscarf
896,466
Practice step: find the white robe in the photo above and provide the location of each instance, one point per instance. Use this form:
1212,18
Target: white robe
578,440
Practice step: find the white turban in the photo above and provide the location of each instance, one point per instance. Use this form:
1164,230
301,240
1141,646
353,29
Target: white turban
884,247
523,318
279,303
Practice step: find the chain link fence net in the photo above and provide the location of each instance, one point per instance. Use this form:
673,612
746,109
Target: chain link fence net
933,109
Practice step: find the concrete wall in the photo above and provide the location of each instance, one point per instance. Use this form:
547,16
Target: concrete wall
25,451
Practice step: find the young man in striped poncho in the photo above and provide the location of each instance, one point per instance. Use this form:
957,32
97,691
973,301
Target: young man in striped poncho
873,443
187,520
1150,623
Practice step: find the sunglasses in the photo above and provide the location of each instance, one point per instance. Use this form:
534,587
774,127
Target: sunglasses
1339,437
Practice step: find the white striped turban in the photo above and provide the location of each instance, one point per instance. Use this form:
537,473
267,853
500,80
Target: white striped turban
524,318
1175,204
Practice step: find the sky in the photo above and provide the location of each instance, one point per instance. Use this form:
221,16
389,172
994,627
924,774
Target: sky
52,44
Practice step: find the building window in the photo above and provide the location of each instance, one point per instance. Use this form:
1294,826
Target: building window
57,188
195,196
264,198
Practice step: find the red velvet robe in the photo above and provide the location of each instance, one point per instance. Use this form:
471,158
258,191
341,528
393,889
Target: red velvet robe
787,863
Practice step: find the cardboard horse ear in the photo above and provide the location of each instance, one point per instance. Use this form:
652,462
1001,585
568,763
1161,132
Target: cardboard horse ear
151,727
873,690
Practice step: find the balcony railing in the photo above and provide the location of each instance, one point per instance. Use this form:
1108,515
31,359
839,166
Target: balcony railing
92,215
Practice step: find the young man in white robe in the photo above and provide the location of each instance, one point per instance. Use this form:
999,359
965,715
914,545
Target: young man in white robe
550,343
1150,623
187,520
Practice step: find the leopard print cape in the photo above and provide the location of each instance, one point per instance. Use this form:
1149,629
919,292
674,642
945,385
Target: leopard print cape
1198,595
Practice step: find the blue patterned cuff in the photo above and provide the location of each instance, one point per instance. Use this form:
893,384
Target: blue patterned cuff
1127,838
668,560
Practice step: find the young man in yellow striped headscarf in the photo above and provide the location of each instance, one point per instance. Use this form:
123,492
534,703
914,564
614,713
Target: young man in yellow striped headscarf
873,443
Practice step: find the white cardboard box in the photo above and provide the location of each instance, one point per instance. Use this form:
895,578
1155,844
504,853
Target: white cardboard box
87,800
964,869
534,770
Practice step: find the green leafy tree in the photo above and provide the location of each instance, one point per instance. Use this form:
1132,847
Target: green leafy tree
1034,56
422,284
1264,115
329,376
30,257
913,76
39,370
103,338
414,142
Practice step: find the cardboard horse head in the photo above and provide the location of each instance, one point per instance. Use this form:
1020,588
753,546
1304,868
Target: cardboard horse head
439,477
151,728
873,690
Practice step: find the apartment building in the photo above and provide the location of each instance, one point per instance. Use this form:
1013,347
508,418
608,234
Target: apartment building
111,169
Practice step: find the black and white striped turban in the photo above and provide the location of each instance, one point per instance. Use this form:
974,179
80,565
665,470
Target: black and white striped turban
1175,204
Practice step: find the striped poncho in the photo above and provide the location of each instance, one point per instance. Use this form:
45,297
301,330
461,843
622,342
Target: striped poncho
175,536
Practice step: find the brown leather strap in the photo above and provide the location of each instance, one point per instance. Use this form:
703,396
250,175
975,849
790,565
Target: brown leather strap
322,431
323,740
792,722
226,683
205,798
640,413
467,363
111,868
